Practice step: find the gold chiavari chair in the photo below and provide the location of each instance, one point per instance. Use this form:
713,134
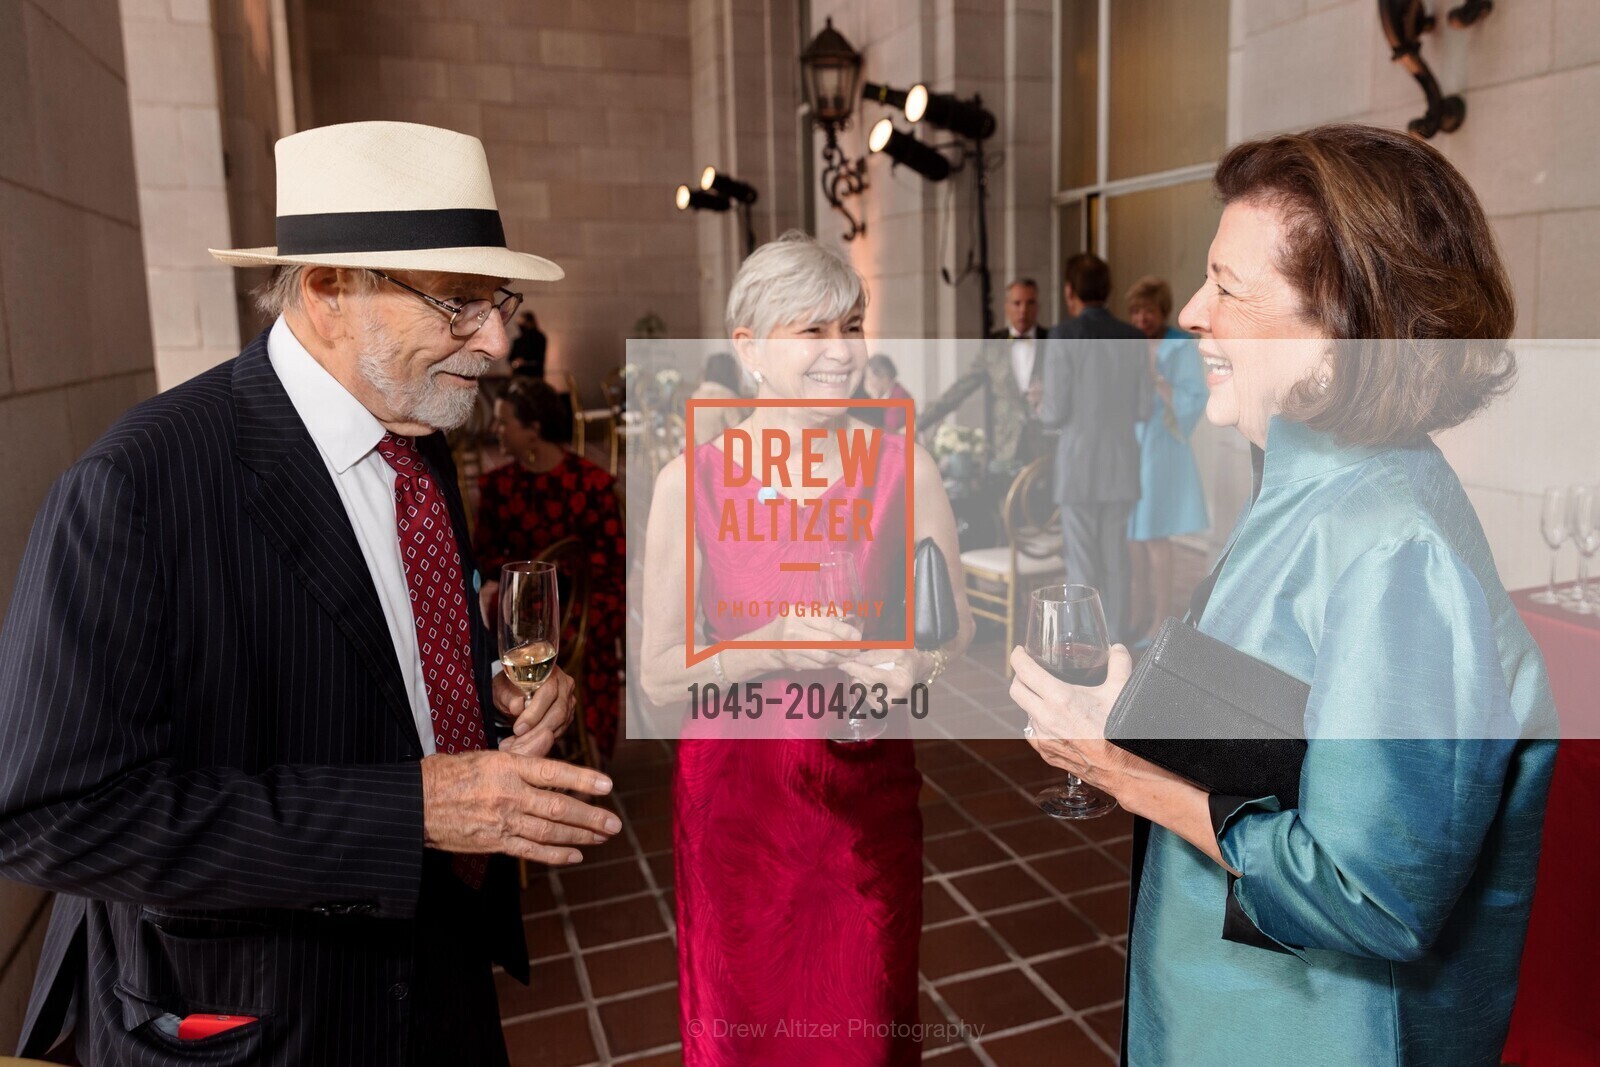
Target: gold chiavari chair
1030,556
583,418
613,389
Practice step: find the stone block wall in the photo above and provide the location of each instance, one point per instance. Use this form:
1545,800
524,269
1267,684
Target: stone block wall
183,199
75,347
1530,146
584,110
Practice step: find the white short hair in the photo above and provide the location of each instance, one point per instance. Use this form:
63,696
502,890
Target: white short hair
281,292
790,279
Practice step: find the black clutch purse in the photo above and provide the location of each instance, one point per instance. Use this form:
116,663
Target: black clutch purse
933,598
1223,719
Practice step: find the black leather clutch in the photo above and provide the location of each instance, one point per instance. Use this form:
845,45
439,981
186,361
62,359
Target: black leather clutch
933,598
1226,721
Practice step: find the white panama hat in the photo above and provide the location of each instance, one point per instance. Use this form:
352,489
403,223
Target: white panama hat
389,196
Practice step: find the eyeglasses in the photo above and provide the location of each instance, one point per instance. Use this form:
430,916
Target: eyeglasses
467,319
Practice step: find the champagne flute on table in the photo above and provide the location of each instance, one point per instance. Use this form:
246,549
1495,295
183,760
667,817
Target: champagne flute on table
530,623
839,583
1067,636
1554,526
1586,535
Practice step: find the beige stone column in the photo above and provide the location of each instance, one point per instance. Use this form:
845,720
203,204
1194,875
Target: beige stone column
183,200
745,80
915,227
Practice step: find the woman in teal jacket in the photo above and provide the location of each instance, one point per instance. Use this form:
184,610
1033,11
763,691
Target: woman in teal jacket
1381,921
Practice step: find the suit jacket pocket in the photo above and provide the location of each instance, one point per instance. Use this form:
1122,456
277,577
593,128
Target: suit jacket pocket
154,1031
199,962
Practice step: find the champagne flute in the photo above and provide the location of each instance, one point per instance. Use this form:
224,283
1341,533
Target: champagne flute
1553,525
1067,637
1586,535
530,623
838,583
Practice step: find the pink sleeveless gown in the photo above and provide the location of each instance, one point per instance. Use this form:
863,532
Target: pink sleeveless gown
799,861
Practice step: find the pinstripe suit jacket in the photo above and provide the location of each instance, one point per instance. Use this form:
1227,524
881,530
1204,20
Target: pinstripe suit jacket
207,752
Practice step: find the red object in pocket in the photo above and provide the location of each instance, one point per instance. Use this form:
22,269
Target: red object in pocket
194,1027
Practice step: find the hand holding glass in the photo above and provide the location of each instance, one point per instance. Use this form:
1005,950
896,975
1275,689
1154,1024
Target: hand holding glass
1067,637
839,584
530,623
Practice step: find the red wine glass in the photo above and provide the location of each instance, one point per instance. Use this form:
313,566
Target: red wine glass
1067,636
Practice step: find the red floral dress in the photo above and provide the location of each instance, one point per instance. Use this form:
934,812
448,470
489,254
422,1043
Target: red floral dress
520,514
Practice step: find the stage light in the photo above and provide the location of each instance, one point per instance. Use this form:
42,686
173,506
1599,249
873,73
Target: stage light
967,118
907,150
712,181
882,130
687,198
916,102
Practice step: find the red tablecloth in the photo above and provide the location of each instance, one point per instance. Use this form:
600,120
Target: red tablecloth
1557,1018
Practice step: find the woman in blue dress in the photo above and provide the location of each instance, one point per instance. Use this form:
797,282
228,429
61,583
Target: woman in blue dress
1378,923
1171,500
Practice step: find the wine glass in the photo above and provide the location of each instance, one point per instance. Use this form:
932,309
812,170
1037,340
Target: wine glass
530,623
1067,637
839,584
1554,526
1586,535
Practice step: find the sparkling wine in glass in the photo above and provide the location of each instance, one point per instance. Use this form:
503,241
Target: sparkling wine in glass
839,584
1554,526
530,623
1585,519
1067,637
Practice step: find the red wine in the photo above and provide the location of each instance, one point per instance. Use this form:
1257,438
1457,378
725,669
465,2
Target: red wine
1075,664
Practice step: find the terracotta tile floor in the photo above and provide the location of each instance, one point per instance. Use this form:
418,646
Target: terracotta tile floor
1025,919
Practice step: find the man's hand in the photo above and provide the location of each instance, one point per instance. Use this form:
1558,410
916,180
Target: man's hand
489,801
1035,396
547,713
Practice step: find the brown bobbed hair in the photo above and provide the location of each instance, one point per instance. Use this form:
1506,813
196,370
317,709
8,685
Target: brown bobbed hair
1152,292
1391,254
535,402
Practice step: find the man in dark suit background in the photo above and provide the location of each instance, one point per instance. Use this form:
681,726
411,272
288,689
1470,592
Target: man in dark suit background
1010,370
528,349
1095,380
246,715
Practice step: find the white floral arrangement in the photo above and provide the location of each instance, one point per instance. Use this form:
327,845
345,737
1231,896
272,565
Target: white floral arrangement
668,380
951,439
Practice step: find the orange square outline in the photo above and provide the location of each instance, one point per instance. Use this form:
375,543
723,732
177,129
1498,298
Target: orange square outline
908,405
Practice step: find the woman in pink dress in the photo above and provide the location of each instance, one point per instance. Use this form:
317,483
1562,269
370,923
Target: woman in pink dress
799,859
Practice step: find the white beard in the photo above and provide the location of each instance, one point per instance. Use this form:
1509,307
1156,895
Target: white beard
420,400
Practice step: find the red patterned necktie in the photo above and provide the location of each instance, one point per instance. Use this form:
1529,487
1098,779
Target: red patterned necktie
439,607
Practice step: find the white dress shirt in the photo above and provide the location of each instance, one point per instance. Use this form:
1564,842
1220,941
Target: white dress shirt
1022,355
347,435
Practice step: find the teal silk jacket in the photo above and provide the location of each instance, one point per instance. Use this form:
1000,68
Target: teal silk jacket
1394,900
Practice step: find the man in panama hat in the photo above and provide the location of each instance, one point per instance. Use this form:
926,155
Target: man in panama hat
247,726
